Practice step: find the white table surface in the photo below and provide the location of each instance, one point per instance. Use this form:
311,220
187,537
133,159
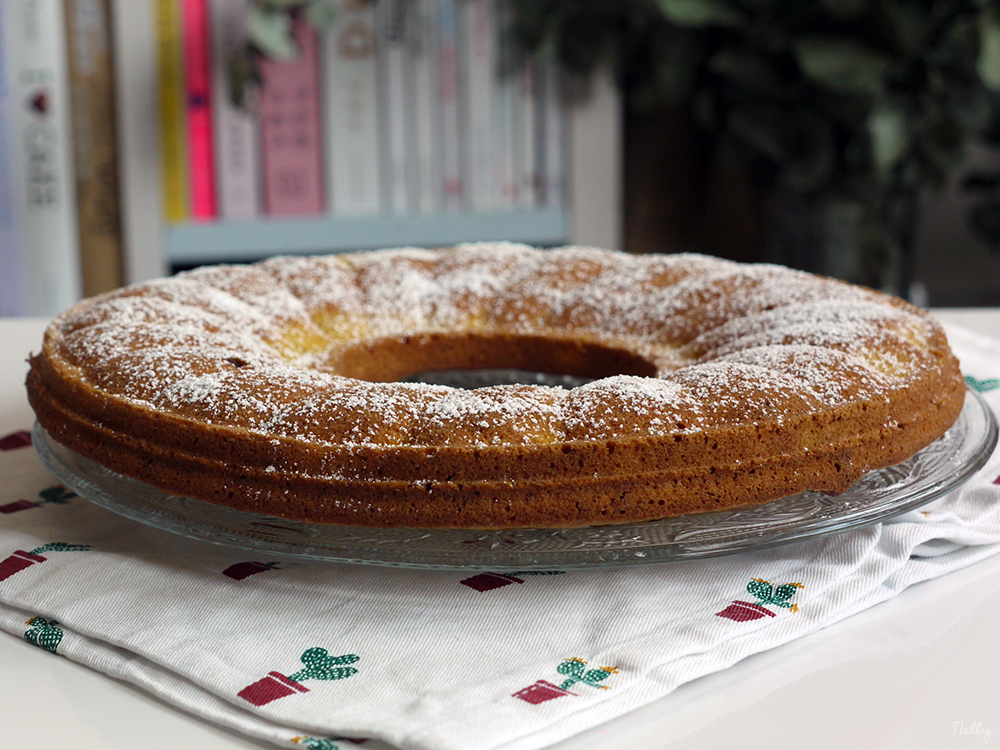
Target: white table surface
921,671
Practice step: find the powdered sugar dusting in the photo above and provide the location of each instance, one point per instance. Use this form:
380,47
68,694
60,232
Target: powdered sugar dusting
733,342
811,367
620,406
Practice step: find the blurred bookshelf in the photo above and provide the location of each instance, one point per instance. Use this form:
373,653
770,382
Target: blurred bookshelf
192,244
583,209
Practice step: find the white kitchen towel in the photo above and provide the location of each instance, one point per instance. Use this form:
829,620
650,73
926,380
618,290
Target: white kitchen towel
321,656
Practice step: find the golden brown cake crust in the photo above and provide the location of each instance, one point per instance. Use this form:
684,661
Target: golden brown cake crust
716,385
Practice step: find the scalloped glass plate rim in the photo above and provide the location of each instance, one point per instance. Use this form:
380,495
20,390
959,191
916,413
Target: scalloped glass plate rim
951,461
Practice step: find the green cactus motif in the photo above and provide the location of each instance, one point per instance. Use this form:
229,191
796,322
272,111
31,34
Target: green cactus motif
574,669
778,596
57,495
58,547
982,385
44,633
319,665
316,743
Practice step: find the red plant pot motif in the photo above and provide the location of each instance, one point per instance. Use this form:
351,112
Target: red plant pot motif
317,665
275,685
17,505
242,570
21,559
58,495
766,593
540,692
490,581
18,562
15,440
576,672
743,611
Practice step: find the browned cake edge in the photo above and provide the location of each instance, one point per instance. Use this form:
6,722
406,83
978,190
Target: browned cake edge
581,483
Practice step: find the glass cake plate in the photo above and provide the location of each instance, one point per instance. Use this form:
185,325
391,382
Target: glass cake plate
941,467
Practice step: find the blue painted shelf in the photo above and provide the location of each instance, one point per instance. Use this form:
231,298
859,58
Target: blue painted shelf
219,242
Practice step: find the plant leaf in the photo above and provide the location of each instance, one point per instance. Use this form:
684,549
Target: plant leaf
319,665
243,76
698,13
843,65
761,589
784,592
320,13
271,33
572,667
988,62
890,137
594,675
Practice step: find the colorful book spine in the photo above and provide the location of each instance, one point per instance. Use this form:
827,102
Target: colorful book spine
423,54
553,170
397,102
506,111
449,132
478,44
291,135
237,154
195,33
34,36
11,195
352,112
170,90
95,149
527,145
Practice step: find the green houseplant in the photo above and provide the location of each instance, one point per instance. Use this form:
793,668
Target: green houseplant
841,110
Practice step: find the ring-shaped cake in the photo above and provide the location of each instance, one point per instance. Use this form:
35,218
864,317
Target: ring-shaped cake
275,387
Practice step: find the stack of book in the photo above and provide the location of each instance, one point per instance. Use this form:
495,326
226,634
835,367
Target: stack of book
59,221
395,108
59,211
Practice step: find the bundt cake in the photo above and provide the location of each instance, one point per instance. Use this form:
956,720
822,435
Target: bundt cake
706,384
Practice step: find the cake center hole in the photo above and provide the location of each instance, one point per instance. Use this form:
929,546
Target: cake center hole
495,376
477,360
